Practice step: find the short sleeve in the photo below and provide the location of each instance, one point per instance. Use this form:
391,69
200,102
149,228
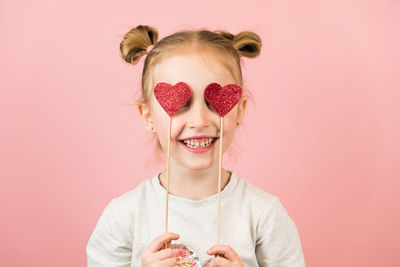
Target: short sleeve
110,243
278,242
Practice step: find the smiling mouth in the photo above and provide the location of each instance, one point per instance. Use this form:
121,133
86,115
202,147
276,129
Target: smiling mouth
199,142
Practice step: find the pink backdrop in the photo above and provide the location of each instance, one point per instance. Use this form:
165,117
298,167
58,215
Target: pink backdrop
323,133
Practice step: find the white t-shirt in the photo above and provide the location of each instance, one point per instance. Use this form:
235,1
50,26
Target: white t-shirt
253,222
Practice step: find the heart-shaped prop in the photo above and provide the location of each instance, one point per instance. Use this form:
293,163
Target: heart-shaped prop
223,99
172,98
187,257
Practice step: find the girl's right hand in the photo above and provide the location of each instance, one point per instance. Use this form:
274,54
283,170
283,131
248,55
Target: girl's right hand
154,255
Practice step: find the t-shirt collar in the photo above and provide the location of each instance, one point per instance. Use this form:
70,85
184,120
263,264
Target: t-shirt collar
160,190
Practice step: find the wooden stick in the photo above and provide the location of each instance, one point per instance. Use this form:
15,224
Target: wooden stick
167,191
219,177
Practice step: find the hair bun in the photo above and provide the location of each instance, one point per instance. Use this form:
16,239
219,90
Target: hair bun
247,43
136,41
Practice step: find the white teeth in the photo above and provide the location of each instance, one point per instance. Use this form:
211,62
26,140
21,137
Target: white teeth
195,143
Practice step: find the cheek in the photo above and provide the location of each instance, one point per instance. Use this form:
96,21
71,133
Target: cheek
176,127
229,128
229,125
161,122
162,137
230,120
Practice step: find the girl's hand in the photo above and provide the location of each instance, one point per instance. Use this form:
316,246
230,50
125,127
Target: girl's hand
154,255
227,257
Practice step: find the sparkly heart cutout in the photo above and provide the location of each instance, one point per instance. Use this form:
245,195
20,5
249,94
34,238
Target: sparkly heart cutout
172,98
223,99
186,257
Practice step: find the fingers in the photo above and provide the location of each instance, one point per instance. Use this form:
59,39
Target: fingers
225,251
220,262
160,240
155,254
171,262
164,254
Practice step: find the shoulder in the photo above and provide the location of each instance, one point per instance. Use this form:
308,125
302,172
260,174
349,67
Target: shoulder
122,210
256,195
265,206
135,196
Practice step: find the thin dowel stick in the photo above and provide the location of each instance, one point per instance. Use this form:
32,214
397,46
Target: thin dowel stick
167,191
219,176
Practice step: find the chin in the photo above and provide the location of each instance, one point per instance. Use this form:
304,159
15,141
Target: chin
199,165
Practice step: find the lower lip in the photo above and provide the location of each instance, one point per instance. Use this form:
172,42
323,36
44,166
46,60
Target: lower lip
199,149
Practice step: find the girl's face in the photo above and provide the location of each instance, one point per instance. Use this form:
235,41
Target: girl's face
195,127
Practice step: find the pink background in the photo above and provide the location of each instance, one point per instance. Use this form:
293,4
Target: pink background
323,133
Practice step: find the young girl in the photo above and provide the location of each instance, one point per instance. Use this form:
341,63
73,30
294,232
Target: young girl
256,230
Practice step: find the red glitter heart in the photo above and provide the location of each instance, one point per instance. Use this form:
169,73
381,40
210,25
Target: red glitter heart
223,99
172,98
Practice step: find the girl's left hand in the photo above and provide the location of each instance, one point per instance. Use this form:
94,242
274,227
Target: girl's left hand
227,257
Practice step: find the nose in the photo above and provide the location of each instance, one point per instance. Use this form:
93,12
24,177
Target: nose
199,116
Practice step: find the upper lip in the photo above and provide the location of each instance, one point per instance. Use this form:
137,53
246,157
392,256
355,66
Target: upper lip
197,137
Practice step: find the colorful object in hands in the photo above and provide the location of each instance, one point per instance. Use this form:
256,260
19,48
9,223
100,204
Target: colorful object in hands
172,98
185,257
222,99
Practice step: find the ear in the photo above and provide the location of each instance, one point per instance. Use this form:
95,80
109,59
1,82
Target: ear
241,110
144,111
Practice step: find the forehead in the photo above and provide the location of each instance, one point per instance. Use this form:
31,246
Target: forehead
194,69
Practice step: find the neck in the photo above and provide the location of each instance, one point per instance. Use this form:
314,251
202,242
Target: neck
194,184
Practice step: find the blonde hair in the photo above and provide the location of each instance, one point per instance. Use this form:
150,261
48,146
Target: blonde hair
228,47
136,42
